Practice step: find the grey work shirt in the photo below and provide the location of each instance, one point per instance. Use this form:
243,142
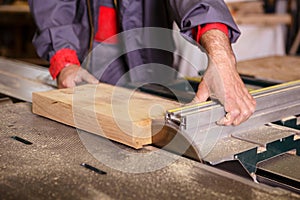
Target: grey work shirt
139,52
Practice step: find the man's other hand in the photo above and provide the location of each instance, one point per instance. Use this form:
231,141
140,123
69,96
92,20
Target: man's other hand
72,75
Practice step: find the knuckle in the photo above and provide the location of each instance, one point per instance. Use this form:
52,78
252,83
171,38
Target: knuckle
64,83
253,102
236,122
235,112
246,113
252,109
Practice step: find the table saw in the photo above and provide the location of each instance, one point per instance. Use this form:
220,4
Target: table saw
45,159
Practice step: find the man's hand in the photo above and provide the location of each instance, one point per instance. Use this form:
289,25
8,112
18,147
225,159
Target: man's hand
221,80
72,75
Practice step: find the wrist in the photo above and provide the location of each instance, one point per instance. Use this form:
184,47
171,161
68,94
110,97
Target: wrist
218,49
62,59
200,30
216,42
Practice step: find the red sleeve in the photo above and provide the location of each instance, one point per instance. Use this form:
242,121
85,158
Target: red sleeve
60,59
200,30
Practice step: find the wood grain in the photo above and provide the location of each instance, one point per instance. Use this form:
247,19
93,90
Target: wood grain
116,113
275,68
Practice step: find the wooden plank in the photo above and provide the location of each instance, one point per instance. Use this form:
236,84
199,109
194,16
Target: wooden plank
252,12
274,68
14,9
246,7
116,113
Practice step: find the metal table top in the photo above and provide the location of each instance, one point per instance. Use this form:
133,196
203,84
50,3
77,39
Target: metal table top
50,168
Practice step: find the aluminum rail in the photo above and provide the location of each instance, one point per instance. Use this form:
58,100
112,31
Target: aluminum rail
273,103
19,79
252,141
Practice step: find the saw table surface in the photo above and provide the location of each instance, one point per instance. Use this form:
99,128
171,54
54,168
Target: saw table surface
275,68
50,168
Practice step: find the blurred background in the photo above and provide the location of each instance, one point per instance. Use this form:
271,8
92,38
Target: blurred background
16,32
269,27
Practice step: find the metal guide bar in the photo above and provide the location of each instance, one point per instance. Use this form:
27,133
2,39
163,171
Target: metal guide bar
19,79
27,71
264,114
196,107
204,138
281,98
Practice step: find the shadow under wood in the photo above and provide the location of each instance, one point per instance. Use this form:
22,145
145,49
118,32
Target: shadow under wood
170,139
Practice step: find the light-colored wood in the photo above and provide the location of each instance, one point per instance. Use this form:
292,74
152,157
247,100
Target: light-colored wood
275,68
20,8
263,19
296,44
246,7
252,12
116,113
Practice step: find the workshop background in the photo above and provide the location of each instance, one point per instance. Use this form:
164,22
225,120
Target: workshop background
269,28
42,158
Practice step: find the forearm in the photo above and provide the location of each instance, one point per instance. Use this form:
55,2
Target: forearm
218,48
221,80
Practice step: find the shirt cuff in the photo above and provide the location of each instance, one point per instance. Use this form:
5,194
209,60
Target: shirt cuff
60,59
200,30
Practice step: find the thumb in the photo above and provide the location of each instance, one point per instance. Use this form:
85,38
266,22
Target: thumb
202,93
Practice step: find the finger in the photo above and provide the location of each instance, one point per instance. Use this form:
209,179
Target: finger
224,120
67,83
249,96
235,117
202,94
247,110
252,104
243,116
87,77
230,117
67,76
233,109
